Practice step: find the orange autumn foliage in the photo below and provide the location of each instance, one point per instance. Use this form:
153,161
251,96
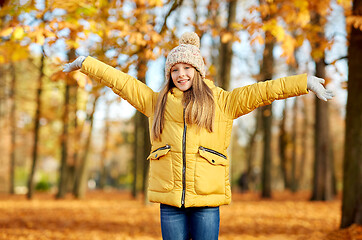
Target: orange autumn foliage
115,215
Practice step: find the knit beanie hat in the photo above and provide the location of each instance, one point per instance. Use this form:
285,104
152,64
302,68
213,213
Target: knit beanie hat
187,52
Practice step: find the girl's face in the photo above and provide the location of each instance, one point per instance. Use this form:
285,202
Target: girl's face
182,75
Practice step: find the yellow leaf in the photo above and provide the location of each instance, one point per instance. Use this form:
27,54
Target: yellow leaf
40,39
301,4
68,5
226,37
317,54
275,29
19,53
237,26
5,32
50,34
81,79
299,40
259,39
303,17
137,39
156,38
155,3
159,3
288,46
345,3
278,33
59,75
18,33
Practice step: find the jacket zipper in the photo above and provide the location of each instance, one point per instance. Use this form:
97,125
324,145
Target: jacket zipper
162,148
183,162
213,152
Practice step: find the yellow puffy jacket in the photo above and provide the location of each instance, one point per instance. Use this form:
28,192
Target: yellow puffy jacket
190,166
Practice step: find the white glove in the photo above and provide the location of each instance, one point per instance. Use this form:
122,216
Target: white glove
75,65
315,85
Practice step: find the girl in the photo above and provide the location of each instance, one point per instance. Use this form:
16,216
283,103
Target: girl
190,123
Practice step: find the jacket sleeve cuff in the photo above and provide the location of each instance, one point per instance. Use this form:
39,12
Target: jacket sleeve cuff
302,83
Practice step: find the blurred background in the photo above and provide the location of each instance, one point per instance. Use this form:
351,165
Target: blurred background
66,134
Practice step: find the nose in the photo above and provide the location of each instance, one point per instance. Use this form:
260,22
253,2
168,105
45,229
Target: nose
182,72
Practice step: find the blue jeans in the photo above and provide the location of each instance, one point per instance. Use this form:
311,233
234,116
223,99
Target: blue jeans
196,223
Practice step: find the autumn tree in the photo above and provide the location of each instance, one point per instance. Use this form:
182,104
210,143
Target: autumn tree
352,169
322,181
225,50
11,52
38,35
13,128
266,73
75,152
36,128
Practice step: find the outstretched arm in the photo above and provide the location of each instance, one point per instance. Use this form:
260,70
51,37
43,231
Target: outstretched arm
135,92
243,100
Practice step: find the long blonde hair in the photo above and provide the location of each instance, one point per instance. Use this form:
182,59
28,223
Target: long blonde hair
198,102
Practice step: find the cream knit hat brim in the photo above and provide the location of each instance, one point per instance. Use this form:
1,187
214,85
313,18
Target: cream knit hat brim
187,52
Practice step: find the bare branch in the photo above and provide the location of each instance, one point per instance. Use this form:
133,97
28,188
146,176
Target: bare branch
336,60
176,4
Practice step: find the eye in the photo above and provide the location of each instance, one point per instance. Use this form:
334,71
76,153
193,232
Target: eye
173,70
187,67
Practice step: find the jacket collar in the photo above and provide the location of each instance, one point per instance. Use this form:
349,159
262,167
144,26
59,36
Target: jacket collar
209,83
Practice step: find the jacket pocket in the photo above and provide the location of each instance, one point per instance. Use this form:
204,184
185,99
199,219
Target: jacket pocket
161,173
210,172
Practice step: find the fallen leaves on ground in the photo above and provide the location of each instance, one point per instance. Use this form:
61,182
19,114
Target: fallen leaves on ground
116,216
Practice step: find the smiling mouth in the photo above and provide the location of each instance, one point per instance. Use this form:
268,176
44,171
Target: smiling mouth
183,81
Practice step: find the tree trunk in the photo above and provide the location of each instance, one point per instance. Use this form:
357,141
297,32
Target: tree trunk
2,95
82,173
294,177
64,145
266,73
74,170
283,142
104,157
136,152
251,177
226,51
352,168
142,149
213,13
75,133
12,96
5,186
142,140
267,116
36,128
333,170
322,183
62,184
267,158
304,141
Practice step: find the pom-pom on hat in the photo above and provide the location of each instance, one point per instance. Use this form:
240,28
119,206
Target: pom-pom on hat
187,52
